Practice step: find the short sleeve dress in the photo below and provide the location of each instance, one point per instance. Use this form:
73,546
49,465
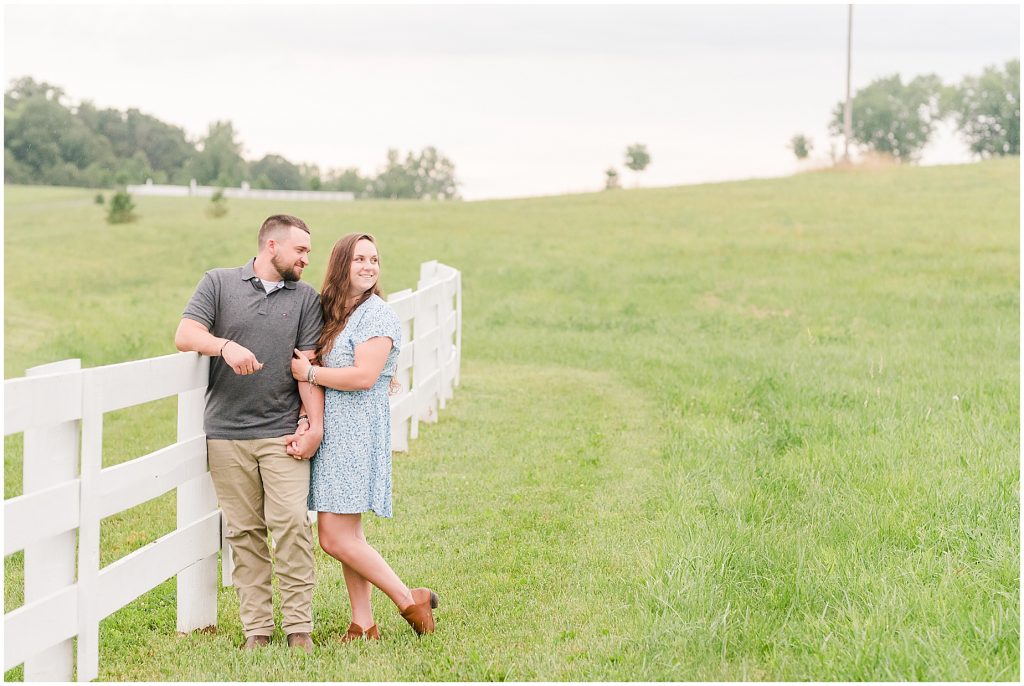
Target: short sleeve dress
351,471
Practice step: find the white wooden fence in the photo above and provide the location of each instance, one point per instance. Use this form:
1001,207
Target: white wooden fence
246,191
66,490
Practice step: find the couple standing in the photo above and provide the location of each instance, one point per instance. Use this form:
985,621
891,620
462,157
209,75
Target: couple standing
285,435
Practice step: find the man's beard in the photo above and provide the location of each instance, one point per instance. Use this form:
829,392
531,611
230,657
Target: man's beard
287,271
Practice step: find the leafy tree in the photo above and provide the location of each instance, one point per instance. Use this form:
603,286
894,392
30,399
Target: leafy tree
801,146
434,175
50,144
121,209
165,147
109,123
637,159
220,162
394,181
218,204
986,110
611,179
15,171
136,169
427,175
99,175
893,118
274,171
27,87
310,174
347,180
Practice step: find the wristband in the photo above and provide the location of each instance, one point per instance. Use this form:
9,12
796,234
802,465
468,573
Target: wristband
224,346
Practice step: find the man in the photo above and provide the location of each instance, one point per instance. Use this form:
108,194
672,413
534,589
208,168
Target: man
258,441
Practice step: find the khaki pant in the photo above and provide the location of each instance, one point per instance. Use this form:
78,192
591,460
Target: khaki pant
259,486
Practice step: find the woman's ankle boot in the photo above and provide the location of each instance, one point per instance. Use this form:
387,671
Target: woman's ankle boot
420,614
356,632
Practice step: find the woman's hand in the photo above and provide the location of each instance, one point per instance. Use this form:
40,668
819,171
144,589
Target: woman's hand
303,443
300,366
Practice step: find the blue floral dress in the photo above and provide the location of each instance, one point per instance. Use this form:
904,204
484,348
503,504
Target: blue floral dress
351,471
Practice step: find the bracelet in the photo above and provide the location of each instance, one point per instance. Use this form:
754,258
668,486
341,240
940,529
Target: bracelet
221,353
303,418
311,375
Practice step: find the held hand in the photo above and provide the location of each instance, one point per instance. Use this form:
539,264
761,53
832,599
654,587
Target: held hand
300,366
291,443
240,359
303,443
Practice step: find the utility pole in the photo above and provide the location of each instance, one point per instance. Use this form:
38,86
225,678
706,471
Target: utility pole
848,110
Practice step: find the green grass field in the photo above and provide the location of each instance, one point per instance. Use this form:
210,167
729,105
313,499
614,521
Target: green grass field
765,430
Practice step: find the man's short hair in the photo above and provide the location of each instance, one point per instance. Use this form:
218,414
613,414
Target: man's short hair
277,224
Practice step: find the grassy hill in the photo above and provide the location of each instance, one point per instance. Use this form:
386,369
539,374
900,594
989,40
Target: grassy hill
764,430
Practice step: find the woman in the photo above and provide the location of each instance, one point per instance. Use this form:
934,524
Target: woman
351,472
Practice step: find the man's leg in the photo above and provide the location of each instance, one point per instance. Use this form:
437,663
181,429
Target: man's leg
286,488
236,478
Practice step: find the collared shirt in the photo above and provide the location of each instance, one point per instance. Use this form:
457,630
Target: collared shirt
232,303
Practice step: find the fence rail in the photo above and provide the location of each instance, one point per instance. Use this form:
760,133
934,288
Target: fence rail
245,191
67,492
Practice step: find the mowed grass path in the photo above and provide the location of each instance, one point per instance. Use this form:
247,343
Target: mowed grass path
765,430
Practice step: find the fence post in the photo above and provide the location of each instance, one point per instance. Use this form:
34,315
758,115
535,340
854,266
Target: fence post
89,528
50,456
447,352
458,326
197,585
227,558
435,304
403,375
424,360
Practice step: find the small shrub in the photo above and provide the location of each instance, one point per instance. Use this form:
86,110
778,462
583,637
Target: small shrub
218,204
801,146
611,179
121,207
99,199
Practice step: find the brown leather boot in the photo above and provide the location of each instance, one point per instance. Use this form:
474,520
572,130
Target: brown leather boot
420,614
301,640
254,642
356,633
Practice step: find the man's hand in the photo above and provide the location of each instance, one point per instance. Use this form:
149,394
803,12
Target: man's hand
300,365
303,443
240,359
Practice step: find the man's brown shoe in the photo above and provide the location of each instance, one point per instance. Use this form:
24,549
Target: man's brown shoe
254,642
300,639
356,632
420,614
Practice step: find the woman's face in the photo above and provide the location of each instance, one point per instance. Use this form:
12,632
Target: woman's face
365,267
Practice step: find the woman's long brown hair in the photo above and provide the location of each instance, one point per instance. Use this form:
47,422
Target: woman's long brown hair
335,291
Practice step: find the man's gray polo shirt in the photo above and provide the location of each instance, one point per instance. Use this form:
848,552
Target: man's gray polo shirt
232,303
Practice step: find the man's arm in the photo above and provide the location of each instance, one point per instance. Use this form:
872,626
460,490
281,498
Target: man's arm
192,336
308,440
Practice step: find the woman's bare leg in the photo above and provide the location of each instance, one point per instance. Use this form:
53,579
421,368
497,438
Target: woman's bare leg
359,590
341,537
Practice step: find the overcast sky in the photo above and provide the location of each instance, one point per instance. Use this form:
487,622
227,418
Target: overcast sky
526,99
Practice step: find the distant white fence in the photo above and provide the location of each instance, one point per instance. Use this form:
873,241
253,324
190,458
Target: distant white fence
194,190
66,490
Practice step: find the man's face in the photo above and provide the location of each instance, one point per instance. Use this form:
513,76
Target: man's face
290,255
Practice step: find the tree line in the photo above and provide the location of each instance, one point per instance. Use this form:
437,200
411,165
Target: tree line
51,141
898,119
